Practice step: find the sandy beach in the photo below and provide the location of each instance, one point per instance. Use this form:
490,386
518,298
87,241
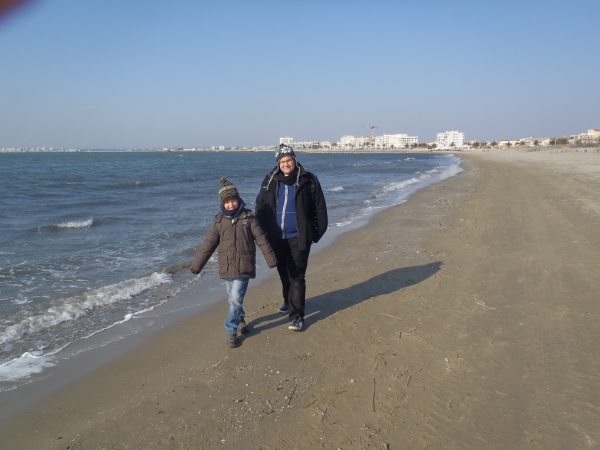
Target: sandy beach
465,318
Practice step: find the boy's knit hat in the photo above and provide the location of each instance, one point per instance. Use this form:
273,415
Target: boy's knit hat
227,190
284,150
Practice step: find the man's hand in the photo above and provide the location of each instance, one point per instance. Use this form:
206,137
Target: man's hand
195,272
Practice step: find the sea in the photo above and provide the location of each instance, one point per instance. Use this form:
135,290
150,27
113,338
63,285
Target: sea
89,240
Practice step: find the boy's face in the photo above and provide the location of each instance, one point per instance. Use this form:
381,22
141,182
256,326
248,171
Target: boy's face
231,204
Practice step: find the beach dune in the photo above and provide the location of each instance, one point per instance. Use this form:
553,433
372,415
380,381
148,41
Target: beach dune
466,317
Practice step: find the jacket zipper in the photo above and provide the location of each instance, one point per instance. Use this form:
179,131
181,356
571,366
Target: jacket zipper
285,200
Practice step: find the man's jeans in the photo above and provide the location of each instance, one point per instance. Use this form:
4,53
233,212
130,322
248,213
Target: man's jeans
291,266
236,289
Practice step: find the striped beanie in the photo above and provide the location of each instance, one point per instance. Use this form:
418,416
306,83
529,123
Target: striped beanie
227,190
284,150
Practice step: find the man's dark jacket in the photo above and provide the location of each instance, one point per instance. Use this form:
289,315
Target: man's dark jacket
311,210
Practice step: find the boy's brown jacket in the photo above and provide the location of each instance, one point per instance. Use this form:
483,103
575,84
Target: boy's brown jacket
237,251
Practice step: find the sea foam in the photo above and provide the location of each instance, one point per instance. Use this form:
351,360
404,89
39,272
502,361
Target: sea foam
78,306
86,223
400,185
24,366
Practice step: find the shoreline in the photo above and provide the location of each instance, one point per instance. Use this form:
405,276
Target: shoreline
87,354
211,313
465,317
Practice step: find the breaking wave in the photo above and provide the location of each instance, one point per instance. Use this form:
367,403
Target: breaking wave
78,306
86,223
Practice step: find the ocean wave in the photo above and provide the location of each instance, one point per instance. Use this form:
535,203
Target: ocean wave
85,223
35,362
24,366
399,185
133,184
335,189
78,306
189,251
341,224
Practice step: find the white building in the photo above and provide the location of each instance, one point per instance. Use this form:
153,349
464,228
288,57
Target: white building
287,140
362,141
591,136
447,139
395,141
530,141
300,145
348,141
594,133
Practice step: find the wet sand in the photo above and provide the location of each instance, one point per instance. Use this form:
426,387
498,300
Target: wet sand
465,318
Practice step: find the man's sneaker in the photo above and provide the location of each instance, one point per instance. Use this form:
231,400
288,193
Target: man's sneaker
284,309
242,327
232,341
296,324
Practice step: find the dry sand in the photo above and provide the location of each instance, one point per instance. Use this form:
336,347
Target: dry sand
464,318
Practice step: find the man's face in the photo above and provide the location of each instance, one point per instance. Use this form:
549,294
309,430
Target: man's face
231,204
287,164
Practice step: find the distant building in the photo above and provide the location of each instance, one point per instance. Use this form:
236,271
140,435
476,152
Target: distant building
362,141
301,145
530,141
325,144
594,133
450,139
395,141
348,141
287,140
592,136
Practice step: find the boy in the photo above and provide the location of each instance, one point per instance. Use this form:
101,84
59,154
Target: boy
234,231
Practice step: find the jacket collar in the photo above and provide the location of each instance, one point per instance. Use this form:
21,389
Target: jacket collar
299,180
233,214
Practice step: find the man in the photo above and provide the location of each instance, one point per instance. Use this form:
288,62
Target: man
290,208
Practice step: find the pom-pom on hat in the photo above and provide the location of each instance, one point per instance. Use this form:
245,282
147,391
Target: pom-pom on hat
227,190
284,150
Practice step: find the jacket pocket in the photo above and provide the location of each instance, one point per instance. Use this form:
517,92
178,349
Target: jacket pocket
247,265
223,264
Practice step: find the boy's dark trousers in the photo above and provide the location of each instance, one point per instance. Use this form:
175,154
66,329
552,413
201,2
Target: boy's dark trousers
291,266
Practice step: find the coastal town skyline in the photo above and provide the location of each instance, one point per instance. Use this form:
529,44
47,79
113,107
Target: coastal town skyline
448,140
150,75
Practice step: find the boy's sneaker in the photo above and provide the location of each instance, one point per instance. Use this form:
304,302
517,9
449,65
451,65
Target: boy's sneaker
285,308
242,327
296,324
232,341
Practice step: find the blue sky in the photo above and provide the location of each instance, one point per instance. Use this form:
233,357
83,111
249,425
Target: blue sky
140,74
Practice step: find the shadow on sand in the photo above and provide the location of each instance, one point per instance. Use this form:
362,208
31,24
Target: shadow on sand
322,306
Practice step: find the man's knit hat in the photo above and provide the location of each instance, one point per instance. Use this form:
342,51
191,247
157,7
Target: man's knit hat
284,150
227,190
